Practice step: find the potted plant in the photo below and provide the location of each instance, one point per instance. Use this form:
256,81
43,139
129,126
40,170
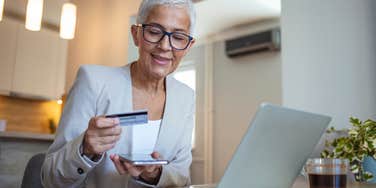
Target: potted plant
359,147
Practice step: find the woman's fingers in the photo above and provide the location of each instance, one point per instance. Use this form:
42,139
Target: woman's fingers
134,171
151,168
118,164
94,141
104,143
108,140
102,122
106,147
156,155
110,131
127,168
124,167
100,149
101,135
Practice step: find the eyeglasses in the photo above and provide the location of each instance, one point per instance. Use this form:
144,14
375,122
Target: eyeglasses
154,34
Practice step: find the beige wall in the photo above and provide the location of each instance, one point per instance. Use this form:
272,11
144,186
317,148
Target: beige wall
101,34
239,86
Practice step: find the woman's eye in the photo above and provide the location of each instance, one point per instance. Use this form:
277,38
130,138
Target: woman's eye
179,37
155,31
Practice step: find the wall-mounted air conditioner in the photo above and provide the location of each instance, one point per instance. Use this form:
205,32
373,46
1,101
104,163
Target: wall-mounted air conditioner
258,42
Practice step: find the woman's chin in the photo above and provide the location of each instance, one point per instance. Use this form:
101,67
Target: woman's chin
159,73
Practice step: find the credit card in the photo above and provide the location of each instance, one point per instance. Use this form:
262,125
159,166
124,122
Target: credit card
131,118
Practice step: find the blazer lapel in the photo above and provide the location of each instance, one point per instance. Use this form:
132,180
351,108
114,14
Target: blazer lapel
168,132
128,89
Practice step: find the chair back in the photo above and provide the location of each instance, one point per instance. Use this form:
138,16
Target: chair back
31,178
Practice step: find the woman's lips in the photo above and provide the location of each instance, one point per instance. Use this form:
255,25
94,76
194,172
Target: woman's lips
160,60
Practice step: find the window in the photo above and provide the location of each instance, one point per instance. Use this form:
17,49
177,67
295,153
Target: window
188,77
186,73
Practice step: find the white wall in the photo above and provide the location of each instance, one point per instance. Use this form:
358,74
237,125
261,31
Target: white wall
239,86
329,58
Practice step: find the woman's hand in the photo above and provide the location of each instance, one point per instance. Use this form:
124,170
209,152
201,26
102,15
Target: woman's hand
101,135
149,173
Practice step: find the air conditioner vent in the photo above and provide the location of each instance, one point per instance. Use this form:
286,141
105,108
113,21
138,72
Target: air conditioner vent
254,43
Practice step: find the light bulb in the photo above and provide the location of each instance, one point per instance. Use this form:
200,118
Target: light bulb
68,21
34,12
59,101
1,9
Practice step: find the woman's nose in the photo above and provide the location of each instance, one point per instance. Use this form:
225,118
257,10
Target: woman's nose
164,44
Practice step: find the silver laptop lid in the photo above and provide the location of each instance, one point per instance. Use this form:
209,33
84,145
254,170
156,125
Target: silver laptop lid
274,149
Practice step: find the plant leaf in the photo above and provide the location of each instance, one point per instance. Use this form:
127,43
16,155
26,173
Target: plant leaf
368,176
355,121
354,168
324,154
353,132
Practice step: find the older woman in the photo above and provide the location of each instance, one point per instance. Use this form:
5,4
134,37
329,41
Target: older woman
84,153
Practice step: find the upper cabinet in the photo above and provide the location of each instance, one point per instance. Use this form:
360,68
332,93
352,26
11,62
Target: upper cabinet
61,67
37,60
8,42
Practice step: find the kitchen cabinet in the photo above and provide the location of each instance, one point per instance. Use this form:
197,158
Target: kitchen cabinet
8,40
61,68
36,63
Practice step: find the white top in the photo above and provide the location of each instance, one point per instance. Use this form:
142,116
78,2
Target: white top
143,137
155,122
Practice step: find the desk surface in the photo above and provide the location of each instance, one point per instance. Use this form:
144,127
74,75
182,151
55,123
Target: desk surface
299,183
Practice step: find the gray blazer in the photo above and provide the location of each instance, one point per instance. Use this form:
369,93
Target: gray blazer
101,90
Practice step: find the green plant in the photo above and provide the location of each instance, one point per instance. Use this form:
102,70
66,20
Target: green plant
359,143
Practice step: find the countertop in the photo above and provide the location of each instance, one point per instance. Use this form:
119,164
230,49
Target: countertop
27,136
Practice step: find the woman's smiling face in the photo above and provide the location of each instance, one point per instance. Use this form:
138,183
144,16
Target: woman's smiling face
158,60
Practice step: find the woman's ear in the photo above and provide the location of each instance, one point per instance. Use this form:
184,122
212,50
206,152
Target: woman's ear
134,31
189,46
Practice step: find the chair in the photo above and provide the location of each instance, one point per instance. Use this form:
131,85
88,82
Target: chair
31,178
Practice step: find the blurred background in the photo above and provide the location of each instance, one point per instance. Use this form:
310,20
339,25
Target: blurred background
316,56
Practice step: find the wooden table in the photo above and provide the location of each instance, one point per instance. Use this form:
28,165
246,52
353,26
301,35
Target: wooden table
300,182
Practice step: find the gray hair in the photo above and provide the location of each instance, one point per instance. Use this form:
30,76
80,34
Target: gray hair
147,5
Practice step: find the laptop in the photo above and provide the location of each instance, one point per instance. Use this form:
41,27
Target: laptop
273,151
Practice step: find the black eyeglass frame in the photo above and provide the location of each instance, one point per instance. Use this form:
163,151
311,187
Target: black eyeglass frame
164,34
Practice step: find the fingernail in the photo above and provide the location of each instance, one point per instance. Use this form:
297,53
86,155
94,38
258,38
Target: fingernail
116,120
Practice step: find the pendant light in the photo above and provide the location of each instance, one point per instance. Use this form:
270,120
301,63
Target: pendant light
68,21
1,9
34,12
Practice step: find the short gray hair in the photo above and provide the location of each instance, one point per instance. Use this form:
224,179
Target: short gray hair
147,5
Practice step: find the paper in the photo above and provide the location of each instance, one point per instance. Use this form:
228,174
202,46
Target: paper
144,137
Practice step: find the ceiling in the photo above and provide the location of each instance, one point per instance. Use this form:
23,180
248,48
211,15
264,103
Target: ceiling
214,16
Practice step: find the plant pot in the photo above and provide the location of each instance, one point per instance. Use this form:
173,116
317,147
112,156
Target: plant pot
369,164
